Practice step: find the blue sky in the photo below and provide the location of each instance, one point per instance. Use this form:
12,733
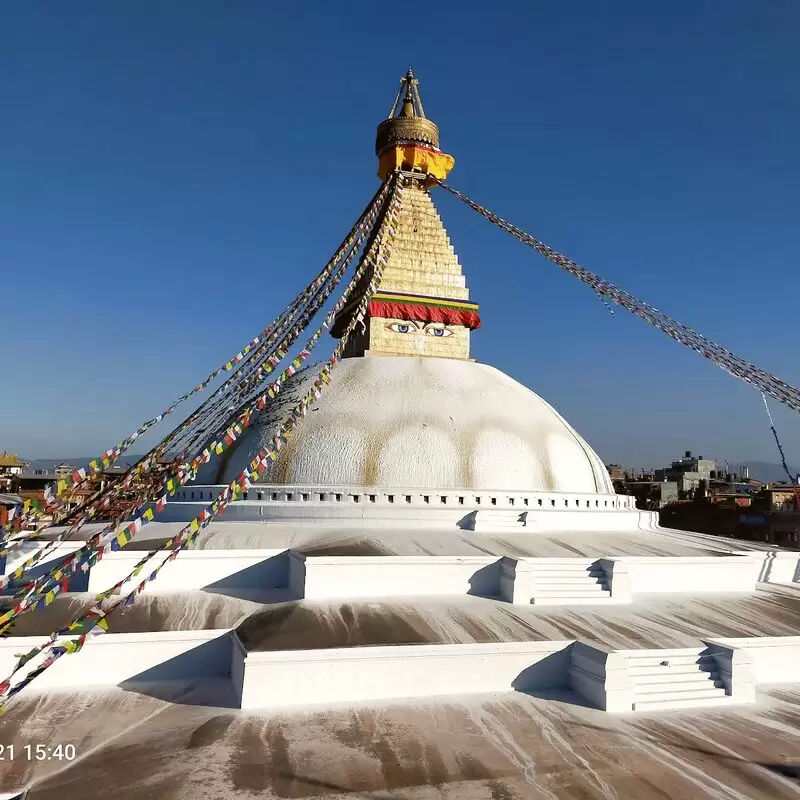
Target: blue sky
173,173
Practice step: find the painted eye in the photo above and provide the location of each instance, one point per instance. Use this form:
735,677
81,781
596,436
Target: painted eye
439,332
399,327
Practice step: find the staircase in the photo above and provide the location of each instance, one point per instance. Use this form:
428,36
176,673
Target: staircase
569,582
506,519
674,679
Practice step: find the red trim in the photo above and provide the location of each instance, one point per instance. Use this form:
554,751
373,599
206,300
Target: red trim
424,313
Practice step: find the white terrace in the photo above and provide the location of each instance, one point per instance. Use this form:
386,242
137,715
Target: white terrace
351,595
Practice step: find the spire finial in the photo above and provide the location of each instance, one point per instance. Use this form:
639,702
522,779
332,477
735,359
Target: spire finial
406,131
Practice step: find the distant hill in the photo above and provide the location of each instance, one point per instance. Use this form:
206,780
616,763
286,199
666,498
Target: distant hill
49,464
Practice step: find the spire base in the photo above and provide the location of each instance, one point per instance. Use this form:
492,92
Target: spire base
415,158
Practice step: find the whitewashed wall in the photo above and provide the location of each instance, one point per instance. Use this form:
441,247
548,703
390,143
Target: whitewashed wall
113,658
685,575
312,677
196,569
328,577
439,508
21,554
774,659
778,566
322,577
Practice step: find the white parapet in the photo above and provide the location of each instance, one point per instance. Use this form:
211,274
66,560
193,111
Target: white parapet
690,575
357,674
554,581
718,672
115,658
56,553
771,659
324,577
776,566
196,569
444,508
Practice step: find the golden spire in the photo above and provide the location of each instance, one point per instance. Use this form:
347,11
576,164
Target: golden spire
407,139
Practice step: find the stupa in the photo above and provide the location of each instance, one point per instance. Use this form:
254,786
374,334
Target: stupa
432,592
409,406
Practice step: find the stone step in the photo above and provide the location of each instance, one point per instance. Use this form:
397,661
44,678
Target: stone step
568,579
494,520
675,669
572,600
500,525
669,704
655,660
490,512
582,574
577,591
702,688
673,654
675,678
668,652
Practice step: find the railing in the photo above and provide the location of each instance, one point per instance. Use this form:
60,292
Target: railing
451,498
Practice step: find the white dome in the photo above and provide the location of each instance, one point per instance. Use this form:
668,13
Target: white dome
423,423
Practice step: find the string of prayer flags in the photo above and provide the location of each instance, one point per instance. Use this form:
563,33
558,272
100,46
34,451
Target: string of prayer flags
127,533
96,465
91,619
732,364
218,506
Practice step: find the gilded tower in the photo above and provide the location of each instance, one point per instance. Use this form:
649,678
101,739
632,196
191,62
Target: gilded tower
422,305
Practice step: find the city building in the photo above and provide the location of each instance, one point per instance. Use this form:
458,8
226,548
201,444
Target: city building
781,496
7,502
617,473
690,472
652,494
11,464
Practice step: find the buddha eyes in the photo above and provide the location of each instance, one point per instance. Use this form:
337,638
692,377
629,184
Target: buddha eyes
432,329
